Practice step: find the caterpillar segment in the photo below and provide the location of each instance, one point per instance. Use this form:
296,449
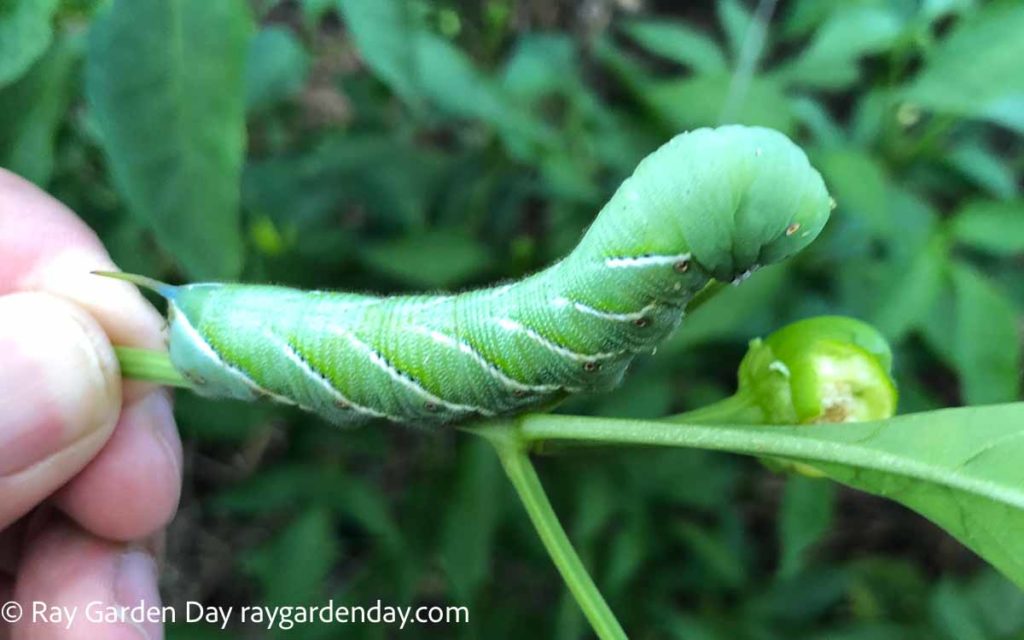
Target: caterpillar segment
709,204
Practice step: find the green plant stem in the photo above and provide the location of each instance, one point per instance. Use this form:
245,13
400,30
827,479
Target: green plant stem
741,408
751,439
146,364
520,471
703,296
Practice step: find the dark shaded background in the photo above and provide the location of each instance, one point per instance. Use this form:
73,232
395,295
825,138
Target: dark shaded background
400,146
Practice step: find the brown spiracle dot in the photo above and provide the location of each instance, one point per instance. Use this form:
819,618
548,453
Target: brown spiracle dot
641,322
793,228
194,378
591,366
519,393
682,266
431,407
341,404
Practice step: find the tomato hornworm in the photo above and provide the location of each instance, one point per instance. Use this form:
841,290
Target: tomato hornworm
709,204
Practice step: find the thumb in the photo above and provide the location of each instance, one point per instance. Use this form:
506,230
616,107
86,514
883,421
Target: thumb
60,395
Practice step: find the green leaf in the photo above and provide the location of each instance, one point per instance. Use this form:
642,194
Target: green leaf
25,33
539,65
472,519
961,468
629,547
700,100
276,68
860,187
993,227
436,259
819,122
165,85
910,295
986,343
310,190
385,32
281,488
953,613
830,61
423,68
711,550
999,603
985,168
807,509
678,42
735,21
975,72
293,566
33,109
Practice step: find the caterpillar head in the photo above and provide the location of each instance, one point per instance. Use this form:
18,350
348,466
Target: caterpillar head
736,198
763,202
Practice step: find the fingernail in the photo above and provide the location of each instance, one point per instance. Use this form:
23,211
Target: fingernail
135,587
58,380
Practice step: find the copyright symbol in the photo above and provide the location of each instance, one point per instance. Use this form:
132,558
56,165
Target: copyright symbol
11,612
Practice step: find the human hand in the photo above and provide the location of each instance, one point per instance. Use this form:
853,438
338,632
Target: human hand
90,469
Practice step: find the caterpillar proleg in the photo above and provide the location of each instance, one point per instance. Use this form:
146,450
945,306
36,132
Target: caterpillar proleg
709,204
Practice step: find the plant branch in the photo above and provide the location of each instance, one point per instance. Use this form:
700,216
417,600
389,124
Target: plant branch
512,453
147,364
740,408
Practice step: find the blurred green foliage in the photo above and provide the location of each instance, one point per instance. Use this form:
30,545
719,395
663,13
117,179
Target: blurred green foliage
397,145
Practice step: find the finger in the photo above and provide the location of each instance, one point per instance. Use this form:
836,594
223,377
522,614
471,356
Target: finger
10,547
65,566
60,395
6,595
131,489
46,248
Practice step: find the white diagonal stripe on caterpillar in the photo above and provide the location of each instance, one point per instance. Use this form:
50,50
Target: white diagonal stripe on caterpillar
409,383
509,324
336,395
211,353
645,261
561,301
490,367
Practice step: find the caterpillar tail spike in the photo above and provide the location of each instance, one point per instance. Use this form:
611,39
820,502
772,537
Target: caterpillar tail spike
164,289
711,204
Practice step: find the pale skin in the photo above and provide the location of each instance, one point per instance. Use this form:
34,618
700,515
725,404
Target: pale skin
90,468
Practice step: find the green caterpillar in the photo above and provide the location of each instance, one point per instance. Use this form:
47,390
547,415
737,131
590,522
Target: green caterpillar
711,203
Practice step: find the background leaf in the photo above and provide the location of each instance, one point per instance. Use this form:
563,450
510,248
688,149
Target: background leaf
850,32
805,517
432,260
276,67
986,340
975,71
36,104
679,43
497,130
25,33
165,86
994,227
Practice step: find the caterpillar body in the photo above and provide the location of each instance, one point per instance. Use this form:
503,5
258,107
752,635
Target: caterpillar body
709,204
